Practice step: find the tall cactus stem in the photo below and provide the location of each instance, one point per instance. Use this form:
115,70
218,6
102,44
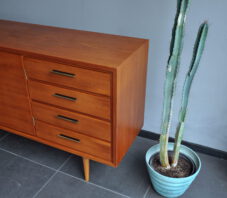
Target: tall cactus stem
197,54
170,81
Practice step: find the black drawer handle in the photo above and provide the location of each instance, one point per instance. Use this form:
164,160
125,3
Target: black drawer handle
61,73
64,97
67,119
69,138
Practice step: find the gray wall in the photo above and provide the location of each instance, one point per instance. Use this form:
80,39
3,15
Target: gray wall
207,116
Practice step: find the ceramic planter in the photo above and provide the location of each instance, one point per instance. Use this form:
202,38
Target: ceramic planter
168,186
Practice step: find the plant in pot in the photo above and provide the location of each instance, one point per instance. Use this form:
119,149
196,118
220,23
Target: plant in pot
172,167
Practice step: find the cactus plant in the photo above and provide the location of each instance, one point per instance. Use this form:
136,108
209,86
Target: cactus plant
170,82
198,50
171,74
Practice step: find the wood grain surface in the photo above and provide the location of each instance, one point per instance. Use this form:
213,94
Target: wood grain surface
75,45
15,110
74,140
98,106
83,79
83,124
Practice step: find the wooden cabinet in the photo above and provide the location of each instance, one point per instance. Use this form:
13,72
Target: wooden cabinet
82,92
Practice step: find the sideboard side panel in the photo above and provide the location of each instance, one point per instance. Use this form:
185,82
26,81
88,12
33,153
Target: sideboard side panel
131,86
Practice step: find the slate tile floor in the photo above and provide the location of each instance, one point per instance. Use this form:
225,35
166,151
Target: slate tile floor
32,170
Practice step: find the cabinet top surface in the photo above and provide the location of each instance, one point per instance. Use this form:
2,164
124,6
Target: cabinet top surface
72,45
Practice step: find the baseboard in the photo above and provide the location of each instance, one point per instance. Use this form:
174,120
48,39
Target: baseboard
195,147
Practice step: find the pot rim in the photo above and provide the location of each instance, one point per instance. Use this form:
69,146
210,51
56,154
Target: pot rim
181,178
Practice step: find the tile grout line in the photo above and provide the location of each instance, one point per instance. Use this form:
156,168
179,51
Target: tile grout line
147,191
60,167
3,137
48,181
58,170
44,185
25,158
96,185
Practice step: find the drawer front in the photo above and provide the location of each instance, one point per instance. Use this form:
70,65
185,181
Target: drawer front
73,121
74,140
73,100
70,76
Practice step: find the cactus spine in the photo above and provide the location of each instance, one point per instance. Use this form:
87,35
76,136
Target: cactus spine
171,73
198,50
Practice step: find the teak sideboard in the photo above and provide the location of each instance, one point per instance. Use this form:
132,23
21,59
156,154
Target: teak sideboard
78,91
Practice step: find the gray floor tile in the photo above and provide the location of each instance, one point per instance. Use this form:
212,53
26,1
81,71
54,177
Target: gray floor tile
20,178
130,178
211,181
2,134
64,186
35,151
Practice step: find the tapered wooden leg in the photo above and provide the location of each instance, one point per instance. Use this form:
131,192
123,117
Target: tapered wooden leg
86,163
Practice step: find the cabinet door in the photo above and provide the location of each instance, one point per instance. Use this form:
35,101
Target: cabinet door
15,111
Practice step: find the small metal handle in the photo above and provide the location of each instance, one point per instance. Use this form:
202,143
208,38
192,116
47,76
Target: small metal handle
64,97
67,119
58,72
69,138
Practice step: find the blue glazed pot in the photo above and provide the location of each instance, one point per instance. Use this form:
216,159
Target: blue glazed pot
168,186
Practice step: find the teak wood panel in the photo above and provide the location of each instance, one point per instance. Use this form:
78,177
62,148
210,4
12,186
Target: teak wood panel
124,57
102,50
74,140
130,100
80,123
15,109
98,106
84,79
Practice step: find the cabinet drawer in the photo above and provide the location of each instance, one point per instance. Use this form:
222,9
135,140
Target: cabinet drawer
74,140
73,121
89,80
73,100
